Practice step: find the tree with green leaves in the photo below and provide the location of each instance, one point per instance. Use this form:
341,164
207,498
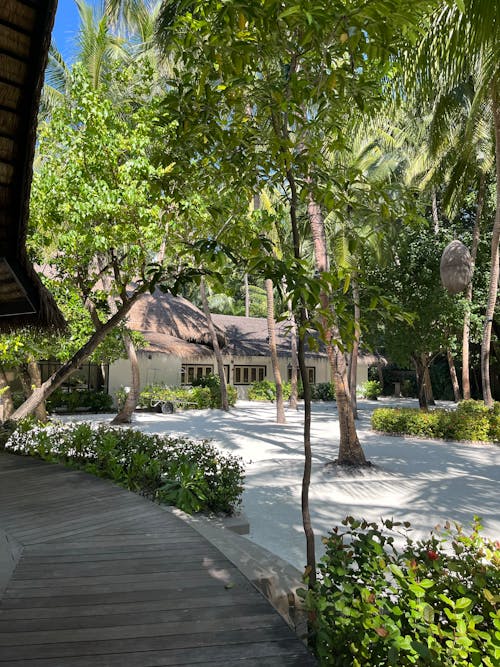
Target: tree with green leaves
463,47
99,202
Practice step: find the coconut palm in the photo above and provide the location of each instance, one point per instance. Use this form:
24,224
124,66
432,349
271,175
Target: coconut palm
464,41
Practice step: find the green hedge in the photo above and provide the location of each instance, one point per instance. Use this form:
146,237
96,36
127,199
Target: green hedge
431,602
193,475
190,398
471,420
96,401
265,390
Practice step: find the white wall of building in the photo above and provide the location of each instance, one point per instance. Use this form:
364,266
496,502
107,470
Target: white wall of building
160,368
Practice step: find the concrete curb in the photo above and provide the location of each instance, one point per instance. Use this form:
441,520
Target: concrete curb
274,577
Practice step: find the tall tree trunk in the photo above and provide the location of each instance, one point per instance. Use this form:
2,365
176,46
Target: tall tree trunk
380,372
306,477
429,394
5,397
453,376
271,330
353,366
124,416
294,390
215,344
468,292
247,295
350,450
420,372
58,377
105,377
435,214
495,269
36,382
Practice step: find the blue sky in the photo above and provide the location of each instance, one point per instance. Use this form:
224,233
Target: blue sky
66,26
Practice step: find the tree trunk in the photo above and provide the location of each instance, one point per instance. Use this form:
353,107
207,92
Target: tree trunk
494,274
124,416
420,371
353,366
429,394
58,377
215,343
294,391
36,382
468,292
5,397
306,477
380,373
350,450
435,214
247,295
271,330
453,375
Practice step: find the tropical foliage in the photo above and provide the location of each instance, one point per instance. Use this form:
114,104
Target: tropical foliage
194,476
385,598
472,420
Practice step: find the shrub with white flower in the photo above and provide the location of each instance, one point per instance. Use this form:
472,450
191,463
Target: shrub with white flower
197,474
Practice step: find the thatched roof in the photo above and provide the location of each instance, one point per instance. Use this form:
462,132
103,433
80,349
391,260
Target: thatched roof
25,29
248,336
170,323
174,326
170,345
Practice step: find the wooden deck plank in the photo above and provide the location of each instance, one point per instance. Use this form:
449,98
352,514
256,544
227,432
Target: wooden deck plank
275,654
91,648
107,578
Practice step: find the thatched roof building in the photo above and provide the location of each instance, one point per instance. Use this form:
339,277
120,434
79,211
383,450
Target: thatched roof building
172,325
25,30
248,337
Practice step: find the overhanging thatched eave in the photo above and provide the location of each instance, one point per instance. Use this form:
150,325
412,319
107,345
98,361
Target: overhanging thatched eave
25,31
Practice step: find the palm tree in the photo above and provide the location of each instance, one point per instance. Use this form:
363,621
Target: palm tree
464,40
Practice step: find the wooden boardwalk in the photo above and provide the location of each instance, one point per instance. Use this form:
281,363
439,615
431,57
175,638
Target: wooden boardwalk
107,578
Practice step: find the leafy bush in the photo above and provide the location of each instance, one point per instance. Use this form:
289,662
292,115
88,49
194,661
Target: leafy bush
7,428
96,401
472,420
371,389
265,390
433,602
323,391
197,397
212,382
192,475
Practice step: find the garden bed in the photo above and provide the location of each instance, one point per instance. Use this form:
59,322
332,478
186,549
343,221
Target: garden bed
472,421
192,475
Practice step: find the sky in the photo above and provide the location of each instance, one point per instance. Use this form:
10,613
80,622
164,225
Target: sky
66,26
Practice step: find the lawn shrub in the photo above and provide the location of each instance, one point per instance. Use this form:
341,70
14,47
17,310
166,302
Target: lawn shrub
95,401
323,391
371,389
212,382
472,420
193,475
197,397
431,602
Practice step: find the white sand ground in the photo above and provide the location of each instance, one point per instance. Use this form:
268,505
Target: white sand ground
422,481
